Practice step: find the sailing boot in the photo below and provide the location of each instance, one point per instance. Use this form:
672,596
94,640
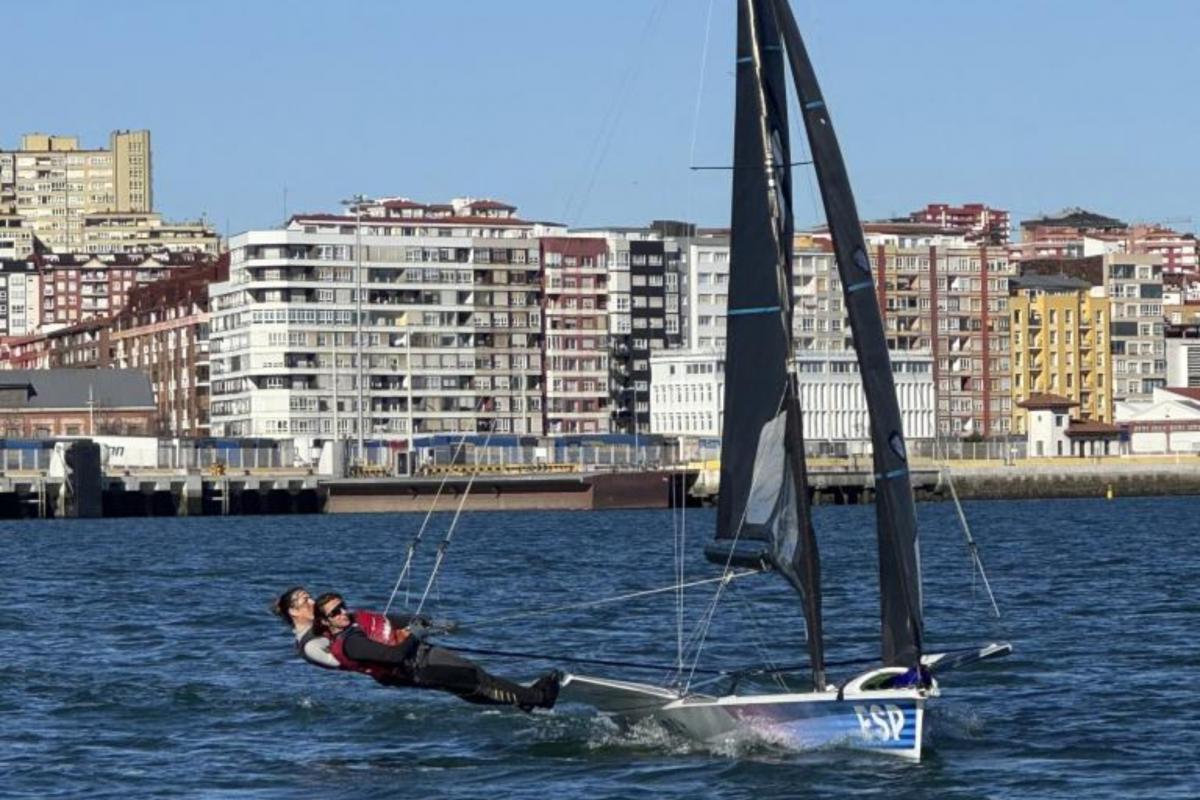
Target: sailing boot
548,685
492,690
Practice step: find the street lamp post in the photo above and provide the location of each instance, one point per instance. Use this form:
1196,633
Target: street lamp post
408,382
357,202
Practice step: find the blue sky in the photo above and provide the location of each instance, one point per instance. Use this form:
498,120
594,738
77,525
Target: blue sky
587,113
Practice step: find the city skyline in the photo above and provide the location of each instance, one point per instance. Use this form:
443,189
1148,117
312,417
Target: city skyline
586,115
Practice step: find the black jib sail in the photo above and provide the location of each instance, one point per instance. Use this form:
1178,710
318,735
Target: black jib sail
899,552
763,513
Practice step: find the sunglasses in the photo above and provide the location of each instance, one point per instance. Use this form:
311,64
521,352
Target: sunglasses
336,611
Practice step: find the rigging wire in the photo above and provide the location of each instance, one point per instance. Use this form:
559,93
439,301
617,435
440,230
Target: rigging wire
679,523
972,548
416,540
577,200
706,619
445,542
603,600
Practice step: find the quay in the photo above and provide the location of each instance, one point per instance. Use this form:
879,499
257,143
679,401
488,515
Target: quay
80,478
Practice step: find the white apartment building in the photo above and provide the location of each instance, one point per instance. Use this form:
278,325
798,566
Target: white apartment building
1183,363
416,319
1135,288
707,292
20,298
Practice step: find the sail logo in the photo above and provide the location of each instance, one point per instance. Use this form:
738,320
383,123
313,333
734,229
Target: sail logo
880,723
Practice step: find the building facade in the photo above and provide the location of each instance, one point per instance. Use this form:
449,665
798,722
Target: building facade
575,308
146,233
47,403
163,331
427,317
20,297
16,238
1059,332
53,184
1134,285
687,393
989,225
835,407
77,287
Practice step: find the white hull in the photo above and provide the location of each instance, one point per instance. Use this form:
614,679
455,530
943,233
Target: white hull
882,720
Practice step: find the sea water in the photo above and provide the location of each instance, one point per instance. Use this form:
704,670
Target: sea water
139,658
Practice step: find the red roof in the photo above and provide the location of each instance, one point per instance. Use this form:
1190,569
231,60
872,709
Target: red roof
1184,391
402,204
1089,427
1039,401
491,204
447,220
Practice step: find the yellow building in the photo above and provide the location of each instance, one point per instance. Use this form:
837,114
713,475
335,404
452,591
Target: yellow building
1060,345
53,184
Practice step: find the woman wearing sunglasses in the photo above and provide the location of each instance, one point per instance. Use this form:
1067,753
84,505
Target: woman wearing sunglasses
368,642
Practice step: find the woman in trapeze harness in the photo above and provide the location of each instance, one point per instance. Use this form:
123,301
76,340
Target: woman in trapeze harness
390,649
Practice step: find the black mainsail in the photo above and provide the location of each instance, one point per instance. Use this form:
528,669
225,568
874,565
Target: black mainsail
763,512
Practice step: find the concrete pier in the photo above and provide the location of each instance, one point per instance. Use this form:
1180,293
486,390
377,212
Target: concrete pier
1123,477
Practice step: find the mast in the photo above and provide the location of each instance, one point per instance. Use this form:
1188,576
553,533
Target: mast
764,498
896,521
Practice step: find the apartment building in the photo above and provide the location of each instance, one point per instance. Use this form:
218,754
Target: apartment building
77,287
819,325
1183,356
943,297
84,345
628,354
163,331
16,238
1134,284
415,318
980,222
20,297
1079,234
53,184
938,295
1060,346
575,306
147,233
707,291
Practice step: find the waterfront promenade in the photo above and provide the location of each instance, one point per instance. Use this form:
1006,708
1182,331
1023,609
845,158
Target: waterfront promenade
93,490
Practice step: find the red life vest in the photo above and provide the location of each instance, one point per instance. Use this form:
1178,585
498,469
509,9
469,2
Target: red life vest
378,629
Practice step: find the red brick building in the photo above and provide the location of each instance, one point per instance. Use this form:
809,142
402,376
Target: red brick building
76,402
77,287
163,331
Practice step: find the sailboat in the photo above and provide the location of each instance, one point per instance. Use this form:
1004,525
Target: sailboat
763,516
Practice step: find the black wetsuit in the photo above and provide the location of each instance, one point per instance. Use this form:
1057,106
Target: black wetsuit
424,666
